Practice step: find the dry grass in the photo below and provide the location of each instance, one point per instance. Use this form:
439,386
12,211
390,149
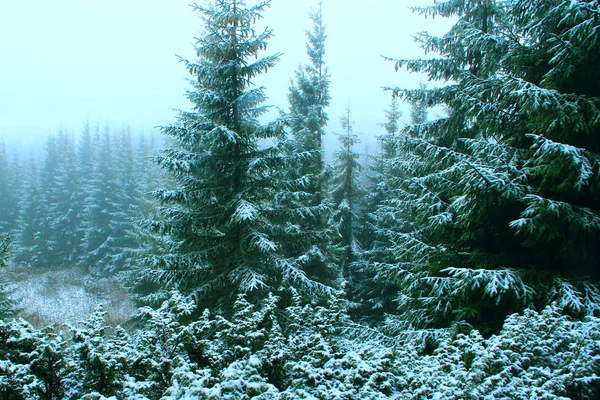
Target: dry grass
66,296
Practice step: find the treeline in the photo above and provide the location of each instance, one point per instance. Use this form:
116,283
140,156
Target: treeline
77,204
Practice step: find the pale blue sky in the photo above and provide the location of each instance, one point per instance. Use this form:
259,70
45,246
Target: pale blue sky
66,61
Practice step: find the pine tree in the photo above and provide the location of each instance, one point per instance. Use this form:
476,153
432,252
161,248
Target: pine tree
392,130
57,188
128,199
95,362
64,217
385,218
308,98
8,200
345,194
309,237
380,170
378,218
4,244
49,192
85,156
150,177
33,236
220,224
499,193
17,186
100,208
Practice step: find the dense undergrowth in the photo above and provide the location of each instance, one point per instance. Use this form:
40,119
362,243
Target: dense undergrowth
300,352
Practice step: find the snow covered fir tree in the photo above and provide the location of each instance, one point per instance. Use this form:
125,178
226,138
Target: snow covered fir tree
306,171
498,195
468,269
345,194
224,223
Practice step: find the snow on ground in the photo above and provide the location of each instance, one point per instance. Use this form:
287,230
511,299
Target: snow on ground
66,296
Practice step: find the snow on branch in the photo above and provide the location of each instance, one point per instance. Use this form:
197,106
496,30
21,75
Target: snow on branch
554,156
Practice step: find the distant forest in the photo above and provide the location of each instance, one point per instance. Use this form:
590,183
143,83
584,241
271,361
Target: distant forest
78,204
459,262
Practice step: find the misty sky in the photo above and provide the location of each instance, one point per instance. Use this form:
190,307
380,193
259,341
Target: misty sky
68,61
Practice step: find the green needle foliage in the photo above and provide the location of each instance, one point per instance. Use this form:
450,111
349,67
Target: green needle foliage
501,194
6,304
346,193
307,173
221,226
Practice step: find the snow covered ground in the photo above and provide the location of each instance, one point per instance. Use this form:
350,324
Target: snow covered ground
66,296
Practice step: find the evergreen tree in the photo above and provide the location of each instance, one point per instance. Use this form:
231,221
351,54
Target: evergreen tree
4,250
57,182
9,190
64,218
33,236
500,194
346,192
128,202
149,177
384,217
309,97
147,174
392,128
49,191
309,236
85,156
100,208
220,224
379,217
17,187
380,169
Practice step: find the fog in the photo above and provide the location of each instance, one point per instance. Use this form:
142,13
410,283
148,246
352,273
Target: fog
69,61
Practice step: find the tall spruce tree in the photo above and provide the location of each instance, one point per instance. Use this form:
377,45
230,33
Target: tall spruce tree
219,225
501,194
85,156
9,189
392,128
100,208
64,215
385,218
380,216
5,203
149,177
50,192
309,97
128,198
309,237
33,234
346,193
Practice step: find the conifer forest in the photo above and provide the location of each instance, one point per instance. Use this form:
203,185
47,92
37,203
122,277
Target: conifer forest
459,261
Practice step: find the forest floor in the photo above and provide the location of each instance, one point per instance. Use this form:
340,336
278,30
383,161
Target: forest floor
66,296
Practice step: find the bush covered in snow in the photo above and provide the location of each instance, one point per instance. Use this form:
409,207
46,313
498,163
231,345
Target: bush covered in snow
300,352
